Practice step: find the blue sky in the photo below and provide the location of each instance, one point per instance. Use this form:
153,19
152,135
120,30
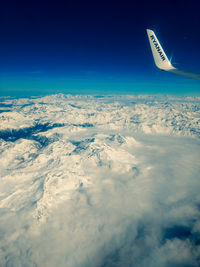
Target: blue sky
96,47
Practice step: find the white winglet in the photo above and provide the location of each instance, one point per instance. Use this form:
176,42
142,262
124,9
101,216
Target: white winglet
161,60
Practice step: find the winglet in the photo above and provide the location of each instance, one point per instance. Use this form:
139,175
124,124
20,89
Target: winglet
160,58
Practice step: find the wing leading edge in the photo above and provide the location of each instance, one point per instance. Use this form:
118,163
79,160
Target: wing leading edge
161,59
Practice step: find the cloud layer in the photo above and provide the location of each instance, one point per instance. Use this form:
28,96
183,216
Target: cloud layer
100,181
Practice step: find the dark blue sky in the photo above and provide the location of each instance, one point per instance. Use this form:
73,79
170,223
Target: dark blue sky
96,46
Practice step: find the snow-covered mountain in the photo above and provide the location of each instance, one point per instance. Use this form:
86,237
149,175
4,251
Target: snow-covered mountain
153,115
100,181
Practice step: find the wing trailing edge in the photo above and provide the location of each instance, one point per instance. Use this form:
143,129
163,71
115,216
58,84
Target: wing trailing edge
161,60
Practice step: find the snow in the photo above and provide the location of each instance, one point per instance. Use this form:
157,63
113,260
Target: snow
100,181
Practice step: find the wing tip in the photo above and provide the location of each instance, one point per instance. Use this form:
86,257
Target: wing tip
149,30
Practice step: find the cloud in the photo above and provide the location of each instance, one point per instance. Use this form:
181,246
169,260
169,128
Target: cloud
104,195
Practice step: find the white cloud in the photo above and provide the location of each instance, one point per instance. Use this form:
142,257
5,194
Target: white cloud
107,195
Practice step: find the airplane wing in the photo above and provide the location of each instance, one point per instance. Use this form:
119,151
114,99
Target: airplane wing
161,60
